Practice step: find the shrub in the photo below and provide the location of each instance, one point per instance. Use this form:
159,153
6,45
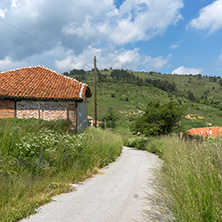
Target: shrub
111,118
138,142
155,146
157,119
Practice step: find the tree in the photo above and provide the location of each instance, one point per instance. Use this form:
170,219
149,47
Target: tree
158,119
111,118
191,96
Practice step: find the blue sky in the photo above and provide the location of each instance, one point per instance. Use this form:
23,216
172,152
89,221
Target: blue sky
168,36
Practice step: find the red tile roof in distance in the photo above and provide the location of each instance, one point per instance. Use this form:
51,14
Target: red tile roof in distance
207,131
41,83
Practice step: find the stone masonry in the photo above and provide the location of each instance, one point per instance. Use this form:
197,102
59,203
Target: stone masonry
49,110
7,108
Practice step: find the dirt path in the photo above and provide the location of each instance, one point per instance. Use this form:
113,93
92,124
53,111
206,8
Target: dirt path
118,194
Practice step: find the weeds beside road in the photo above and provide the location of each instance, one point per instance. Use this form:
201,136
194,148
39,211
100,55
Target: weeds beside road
190,182
36,164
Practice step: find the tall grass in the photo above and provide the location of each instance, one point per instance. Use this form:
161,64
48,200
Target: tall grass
36,164
190,181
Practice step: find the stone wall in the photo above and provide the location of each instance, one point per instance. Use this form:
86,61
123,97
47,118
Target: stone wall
48,110
7,108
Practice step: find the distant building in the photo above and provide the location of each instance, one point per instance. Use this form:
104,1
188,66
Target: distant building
206,131
91,121
41,93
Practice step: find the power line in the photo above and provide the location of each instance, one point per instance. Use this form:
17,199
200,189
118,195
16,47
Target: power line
32,37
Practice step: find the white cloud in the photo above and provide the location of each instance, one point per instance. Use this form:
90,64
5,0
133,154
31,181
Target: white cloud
210,17
2,13
127,59
157,63
135,20
220,58
78,31
14,3
182,70
7,64
174,46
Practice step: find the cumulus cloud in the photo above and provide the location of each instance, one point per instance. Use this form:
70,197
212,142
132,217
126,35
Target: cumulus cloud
7,63
210,17
74,27
127,59
135,20
186,71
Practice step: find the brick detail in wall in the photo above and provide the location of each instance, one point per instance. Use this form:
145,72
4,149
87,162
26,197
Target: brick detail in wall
48,110
7,109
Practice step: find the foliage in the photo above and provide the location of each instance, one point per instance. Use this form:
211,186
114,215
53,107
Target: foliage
163,85
36,164
76,72
111,118
79,74
140,95
157,119
124,76
191,96
189,185
137,142
155,146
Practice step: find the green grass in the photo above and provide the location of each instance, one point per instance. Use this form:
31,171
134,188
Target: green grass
189,184
38,163
128,97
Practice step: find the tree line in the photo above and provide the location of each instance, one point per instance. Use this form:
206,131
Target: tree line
123,75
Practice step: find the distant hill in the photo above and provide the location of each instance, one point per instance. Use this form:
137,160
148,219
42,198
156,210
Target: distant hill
129,92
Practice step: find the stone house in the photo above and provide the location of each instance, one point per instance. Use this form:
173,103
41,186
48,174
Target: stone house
38,92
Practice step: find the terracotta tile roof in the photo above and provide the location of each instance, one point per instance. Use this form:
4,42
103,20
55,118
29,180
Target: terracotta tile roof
206,131
41,83
98,122
90,118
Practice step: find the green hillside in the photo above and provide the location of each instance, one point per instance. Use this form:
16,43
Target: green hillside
127,92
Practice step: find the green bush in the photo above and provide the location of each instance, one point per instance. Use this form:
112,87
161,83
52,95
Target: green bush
155,146
158,119
138,142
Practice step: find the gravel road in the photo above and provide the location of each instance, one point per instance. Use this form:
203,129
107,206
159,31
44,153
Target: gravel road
117,194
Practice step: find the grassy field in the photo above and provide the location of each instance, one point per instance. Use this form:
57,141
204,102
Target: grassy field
39,163
191,179
126,98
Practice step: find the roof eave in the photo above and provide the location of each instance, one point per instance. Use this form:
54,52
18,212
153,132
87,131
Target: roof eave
39,98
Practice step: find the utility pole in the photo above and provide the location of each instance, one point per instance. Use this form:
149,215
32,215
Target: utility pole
95,91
